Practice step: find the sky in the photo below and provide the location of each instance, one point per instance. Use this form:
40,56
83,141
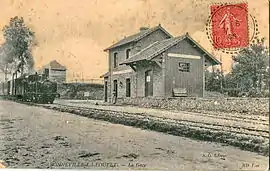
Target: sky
76,32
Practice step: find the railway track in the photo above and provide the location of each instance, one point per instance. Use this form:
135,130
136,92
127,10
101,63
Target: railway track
252,139
253,119
246,138
203,123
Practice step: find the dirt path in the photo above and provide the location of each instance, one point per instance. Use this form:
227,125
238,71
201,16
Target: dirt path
33,137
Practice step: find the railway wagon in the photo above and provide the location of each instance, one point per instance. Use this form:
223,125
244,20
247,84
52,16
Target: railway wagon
33,88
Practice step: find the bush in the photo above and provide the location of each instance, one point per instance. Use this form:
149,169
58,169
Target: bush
77,90
234,92
215,94
265,93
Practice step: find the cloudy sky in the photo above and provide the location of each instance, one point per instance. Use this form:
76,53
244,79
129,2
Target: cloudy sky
76,32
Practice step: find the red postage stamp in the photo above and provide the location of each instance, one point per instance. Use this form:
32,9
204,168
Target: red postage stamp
230,26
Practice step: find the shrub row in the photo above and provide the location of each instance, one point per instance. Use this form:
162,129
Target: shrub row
256,106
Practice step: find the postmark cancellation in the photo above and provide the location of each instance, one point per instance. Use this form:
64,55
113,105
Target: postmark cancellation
230,27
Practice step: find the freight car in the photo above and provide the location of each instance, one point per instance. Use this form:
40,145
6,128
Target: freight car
35,88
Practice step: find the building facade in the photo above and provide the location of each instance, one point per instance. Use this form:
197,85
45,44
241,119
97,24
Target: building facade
154,63
55,71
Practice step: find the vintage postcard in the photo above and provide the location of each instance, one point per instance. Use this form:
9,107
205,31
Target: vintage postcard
161,85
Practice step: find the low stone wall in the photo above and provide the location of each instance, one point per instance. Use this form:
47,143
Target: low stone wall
258,106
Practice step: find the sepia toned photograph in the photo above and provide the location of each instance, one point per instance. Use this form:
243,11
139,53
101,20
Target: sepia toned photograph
134,85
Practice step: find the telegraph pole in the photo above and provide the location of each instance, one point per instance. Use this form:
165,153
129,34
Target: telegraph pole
79,64
222,73
82,77
6,70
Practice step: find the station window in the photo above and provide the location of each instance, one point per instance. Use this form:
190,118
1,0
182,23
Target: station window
128,87
115,55
127,53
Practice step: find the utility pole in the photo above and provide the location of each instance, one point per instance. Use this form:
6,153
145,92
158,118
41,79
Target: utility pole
6,70
78,64
218,55
73,75
222,73
22,68
82,77
148,12
76,77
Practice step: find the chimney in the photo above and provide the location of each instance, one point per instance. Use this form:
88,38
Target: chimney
143,28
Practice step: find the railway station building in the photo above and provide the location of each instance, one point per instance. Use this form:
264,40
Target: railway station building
153,63
55,71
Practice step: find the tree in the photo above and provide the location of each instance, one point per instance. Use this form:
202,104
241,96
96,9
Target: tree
251,67
214,80
19,39
6,59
